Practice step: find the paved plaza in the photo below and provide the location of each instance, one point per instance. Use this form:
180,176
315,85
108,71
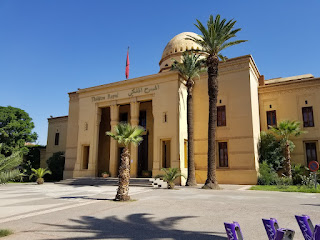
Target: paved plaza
53,211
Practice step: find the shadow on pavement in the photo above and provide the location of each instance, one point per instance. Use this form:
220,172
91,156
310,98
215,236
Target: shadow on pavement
134,227
309,204
87,198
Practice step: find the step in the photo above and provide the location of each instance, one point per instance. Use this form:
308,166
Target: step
140,182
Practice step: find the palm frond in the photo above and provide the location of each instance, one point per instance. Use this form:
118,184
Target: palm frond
125,134
215,37
191,65
170,175
39,173
8,163
9,175
286,129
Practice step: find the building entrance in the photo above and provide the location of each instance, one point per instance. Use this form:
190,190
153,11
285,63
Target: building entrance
143,156
104,142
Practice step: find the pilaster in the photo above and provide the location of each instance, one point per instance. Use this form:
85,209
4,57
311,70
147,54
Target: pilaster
134,113
114,120
93,162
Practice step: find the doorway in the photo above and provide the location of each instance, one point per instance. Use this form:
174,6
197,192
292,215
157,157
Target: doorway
143,155
166,152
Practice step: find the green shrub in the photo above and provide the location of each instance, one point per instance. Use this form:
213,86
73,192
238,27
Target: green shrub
298,171
56,166
31,159
5,232
267,175
9,167
308,181
270,150
283,181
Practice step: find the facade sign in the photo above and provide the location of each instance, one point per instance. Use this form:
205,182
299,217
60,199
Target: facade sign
131,93
146,90
109,96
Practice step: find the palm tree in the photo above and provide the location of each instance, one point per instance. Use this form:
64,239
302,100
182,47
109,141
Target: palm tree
213,40
170,175
285,130
8,166
39,174
189,68
125,134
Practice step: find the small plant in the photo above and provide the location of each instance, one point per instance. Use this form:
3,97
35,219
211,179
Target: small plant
5,232
105,174
146,173
170,175
39,174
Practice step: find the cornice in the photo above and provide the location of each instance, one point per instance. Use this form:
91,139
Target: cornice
170,56
129,82
58,119
307,86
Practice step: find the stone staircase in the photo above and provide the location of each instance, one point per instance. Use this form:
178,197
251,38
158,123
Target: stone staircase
91,181
158,183
134,182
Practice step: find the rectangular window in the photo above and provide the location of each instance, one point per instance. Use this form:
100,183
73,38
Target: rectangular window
185,153
311,152
221,116
271,118
166,154
143,119
124,117
307,114
56,139
85,157
223,154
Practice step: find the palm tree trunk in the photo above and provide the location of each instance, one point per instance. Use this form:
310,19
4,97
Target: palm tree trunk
288,160
191,181
124,176
212,63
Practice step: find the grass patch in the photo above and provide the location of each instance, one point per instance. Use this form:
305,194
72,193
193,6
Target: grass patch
5,232
285,188
18,182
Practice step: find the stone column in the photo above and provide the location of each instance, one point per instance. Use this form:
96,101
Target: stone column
113,163
134,113
93,159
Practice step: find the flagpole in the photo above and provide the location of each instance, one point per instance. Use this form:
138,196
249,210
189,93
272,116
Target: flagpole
127,64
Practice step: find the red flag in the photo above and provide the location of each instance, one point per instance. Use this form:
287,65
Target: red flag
127,64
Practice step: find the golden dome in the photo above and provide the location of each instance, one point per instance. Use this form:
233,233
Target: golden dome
175,47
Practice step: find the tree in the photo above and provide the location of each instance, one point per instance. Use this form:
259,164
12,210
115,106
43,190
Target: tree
125,134
213,40
15,129
189,68
8,166
285,130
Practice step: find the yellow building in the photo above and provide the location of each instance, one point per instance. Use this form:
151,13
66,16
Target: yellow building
158,103
57,138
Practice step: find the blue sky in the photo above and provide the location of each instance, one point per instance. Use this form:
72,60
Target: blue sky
49,48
